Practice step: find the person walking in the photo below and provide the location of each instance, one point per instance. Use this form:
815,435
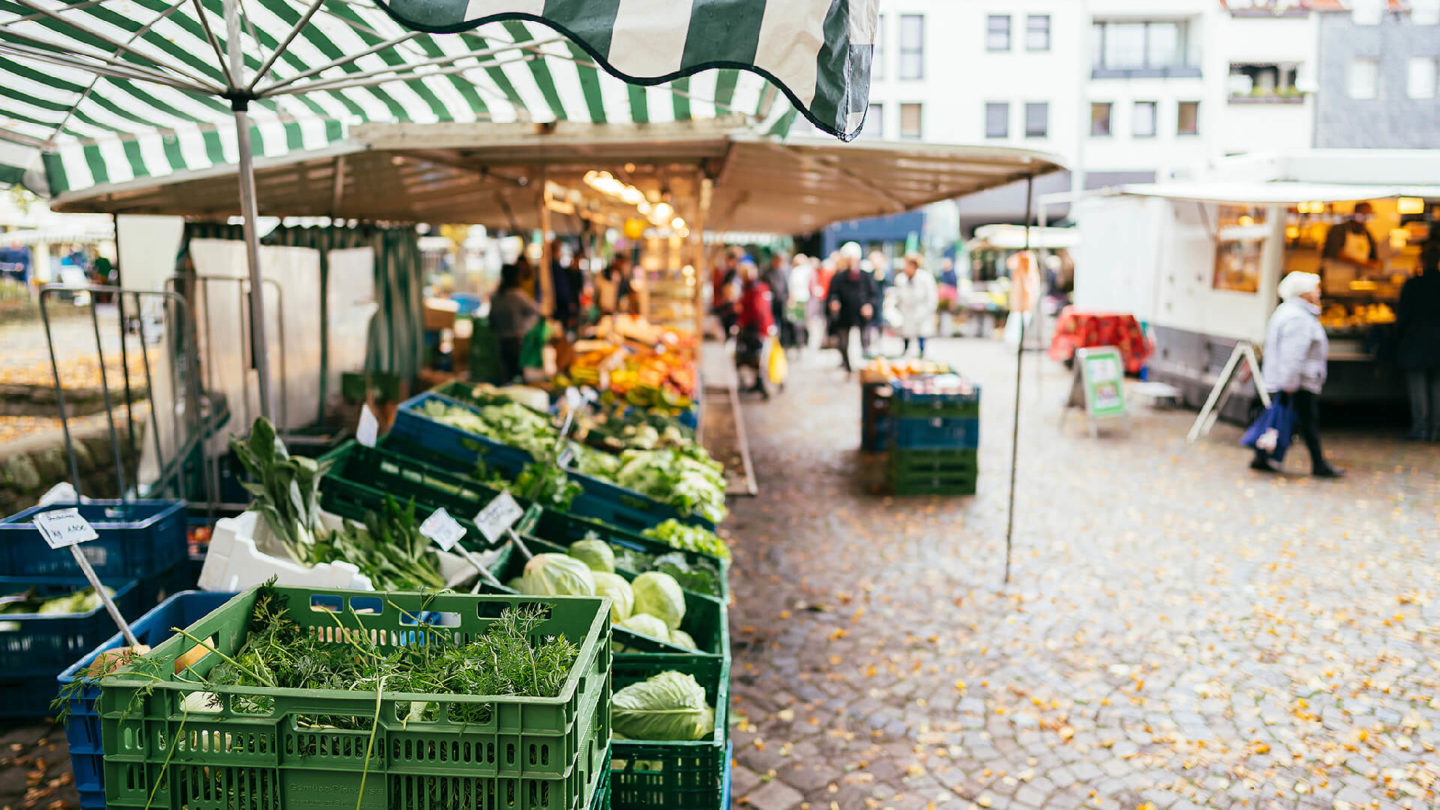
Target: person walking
1296,353
805,308
777,278
917,298
755,325
512,313
612,285
852,300
1418,326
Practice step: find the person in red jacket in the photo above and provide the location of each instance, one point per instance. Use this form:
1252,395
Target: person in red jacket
756,323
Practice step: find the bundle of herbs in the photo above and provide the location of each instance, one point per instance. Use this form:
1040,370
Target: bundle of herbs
502,661
388,548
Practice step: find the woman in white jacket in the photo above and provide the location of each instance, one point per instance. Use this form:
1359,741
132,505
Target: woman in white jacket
1296,353
916,301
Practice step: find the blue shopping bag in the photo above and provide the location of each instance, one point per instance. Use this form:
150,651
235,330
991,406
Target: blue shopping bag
1273,429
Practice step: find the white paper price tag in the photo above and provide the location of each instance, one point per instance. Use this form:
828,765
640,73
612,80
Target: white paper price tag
64,527
573,398
369,428
498,516
589,394
566,456
443,529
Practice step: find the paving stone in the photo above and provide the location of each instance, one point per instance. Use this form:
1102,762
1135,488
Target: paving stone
774,795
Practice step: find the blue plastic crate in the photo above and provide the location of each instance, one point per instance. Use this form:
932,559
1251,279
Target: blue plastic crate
138,540
937,433
82,732
35,647
412,425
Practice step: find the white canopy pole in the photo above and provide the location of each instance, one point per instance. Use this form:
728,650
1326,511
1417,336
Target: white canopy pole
248,209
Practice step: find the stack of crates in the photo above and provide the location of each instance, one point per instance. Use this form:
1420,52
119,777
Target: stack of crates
935,438
875,418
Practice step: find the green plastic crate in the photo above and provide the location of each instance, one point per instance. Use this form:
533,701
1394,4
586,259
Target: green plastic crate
933,472
361,477
933,409
523,753
706,618
564,529
957,461
651,775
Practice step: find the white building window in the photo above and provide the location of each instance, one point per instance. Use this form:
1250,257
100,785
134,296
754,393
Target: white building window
1100,118
874,128
1037,119
997,119
877,56
1424,70
997,32
1156,45
912,46
1364,78
912,122
1142,124
1037,32
1187,118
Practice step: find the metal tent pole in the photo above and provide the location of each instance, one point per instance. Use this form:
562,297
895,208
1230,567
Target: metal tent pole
1019,361
240,104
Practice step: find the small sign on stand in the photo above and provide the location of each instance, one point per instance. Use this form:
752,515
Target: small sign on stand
446,532
64,528
1098,386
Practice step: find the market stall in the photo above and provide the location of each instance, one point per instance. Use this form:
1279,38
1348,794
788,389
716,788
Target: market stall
1199,262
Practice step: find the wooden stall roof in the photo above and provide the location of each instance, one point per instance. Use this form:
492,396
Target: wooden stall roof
493,175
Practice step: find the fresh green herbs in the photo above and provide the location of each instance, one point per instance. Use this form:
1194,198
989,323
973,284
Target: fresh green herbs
501,661
389,549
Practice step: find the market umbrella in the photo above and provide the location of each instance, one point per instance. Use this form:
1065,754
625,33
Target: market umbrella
97,91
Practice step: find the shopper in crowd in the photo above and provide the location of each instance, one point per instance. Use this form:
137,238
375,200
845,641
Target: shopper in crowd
512,313
948,276
575,283
724,288
755,321
612,285
777,278
916,300
807,307
560,284
878,266
1418,327
1296,351
852,301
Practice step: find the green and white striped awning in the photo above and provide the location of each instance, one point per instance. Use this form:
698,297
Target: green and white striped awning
107,91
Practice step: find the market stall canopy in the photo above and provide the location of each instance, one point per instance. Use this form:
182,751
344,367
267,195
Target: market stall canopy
65,128
1016,237
491,175
1277,193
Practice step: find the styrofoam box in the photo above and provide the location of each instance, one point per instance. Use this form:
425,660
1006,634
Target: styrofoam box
238,558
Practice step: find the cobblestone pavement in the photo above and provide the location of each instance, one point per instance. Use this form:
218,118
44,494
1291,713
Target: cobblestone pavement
1178,632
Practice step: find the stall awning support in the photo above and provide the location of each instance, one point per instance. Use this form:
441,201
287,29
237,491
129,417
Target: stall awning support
1019,362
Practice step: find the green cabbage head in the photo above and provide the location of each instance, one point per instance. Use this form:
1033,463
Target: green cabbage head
669,706
557,575
646,625
622,599
659,595
595,553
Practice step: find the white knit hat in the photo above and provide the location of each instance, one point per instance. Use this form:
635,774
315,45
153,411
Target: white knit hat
1297,284
852,250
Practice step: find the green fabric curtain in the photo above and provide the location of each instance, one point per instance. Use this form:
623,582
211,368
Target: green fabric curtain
395,344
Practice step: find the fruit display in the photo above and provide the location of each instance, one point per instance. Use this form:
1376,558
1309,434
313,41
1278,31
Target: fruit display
905,367
1341,316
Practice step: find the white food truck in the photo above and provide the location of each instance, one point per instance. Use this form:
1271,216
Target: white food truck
1198,261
